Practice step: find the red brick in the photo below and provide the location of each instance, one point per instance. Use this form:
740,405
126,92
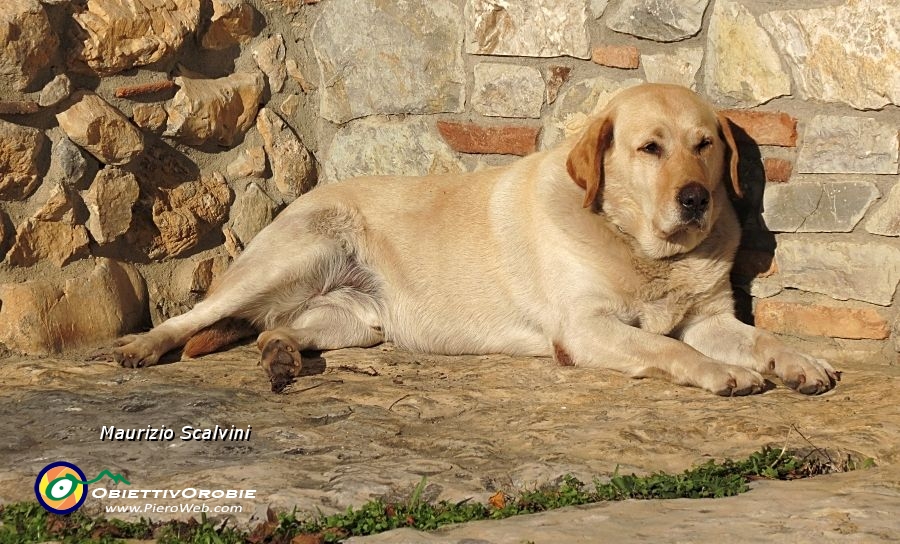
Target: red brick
819,320
502,140
753,263
625,57
764,127
778,170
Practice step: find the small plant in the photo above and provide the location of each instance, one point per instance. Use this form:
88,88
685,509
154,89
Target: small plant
28,522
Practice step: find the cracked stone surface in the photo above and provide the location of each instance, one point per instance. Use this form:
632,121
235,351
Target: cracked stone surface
364,424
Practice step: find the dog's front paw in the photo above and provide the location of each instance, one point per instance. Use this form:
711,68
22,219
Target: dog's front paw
135,351
731,381
280,358
802,372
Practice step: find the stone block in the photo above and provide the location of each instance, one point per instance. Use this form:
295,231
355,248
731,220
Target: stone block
101,129
293,169
375,59
219,110
679,67
658,20
865,271
109,201
765,127
539,28
625,57
835,144
19,150
27,42
885,221
777,170
846,321
502,140
817,206
507,90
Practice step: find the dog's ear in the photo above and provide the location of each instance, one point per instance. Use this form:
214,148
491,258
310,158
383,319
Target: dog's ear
734,157
585,162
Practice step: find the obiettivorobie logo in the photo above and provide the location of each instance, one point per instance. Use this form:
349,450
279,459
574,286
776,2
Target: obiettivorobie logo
61,487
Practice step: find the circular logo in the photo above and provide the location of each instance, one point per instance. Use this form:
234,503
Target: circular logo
59,487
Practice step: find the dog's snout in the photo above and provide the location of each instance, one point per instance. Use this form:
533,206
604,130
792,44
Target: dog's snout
694,200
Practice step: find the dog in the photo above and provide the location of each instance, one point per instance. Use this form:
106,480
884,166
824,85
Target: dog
611,250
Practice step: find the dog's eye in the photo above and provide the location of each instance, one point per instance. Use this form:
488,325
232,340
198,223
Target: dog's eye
651,148
704,143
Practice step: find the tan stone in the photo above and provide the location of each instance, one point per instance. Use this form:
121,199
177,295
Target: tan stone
540,28
214,110
293,70
848,52
507,90
58,204
269,56
19,149
556,77
840,144
115,35
856,322
292,165
150,117
54,241
252,211
885,221
27,42
101,129
40,317
679,67
192,279
187,212
109,201
59,88
626,57
764,127
251,163
742,66
232,23
503,140
777,170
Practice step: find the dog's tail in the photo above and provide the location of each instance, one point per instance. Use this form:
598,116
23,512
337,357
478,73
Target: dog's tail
218,335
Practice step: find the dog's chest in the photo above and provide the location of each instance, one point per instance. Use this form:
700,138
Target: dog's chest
665,292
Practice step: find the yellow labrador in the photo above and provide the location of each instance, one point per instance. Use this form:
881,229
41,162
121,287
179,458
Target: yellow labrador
612,250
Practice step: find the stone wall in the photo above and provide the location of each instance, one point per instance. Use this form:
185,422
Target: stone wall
145,142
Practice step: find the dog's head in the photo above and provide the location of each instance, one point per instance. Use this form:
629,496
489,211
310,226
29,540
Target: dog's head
654,162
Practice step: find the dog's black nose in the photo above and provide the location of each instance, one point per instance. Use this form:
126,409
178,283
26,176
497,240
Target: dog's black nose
694,200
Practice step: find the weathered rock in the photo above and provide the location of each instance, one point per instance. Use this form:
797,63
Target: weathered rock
58,204
848,145
54,241
293,70
742,66
357,78
252,211
573,109
846,321
232,23
115,35
376,146
541,28
504,139
269,56
764,127
27,42
68,165
679,67
886,219
556,77
109,201
59,88
214,110
777,170
507,90
841,270
251,163
203,273
6,234
626,57
597,7
19,149
101,129
658,20
289,105
39,317
848,52
150,117
189,211
292,165
817,206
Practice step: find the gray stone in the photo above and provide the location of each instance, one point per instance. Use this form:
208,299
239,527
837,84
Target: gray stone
597,7
252,211
214,110
68,165
378,146
19,149
679,67
269,56
423,73
886,219
59,88
507,90
848,52
577,105
540,28
109,201
742,66
27,42
101,129
293,169
658,20
44,316
817,206
848,145
867,271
